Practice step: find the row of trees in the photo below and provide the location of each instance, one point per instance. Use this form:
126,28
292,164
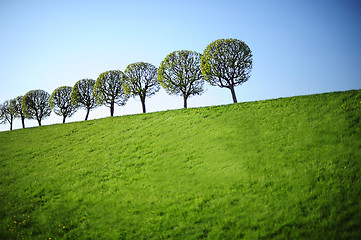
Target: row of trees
225,63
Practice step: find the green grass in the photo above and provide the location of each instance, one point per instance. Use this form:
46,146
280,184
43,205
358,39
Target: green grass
278,169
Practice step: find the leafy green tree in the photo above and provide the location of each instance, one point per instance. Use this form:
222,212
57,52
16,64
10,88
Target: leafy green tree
15,107
35,105
180,74
6,115
108,90
83,96
141,79
227,63
60,102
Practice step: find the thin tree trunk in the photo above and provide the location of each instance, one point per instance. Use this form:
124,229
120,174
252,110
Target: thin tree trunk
39,122
185,101
23,121
142,99
112,109
233,94
87,114
11,126
64,118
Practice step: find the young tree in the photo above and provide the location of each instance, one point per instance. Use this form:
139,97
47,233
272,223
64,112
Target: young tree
180,74
141,79
15,107
82,95
108,90
35,105
227,63
6,114
2,117
60,102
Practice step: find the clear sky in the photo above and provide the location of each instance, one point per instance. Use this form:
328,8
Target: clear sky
299,47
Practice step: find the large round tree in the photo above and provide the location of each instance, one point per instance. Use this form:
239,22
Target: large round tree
108,90
227,63
35,105
180,74
141,80
60,102
82,95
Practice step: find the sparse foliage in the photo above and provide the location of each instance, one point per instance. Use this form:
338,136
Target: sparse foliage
108,90
141,79
180,74
35,105
82,95
227,63
6,115
15,107
60,102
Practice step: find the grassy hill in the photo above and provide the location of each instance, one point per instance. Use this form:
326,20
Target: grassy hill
287,168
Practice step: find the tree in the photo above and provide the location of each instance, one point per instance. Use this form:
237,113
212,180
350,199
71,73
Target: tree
35,105
6,114
180,74
2,117
60,102
141,79
108,90
15,107
227,63
83,95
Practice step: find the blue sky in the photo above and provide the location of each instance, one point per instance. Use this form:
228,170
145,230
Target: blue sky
299,47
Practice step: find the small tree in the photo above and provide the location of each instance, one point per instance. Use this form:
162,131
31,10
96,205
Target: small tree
180,74
82,95
2,117
15,107
60,102
108,90
6,115
227,63
141,79
35,105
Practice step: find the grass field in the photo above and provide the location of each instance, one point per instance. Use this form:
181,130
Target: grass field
278,169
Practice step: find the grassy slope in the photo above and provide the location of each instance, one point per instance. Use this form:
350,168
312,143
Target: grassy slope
285,168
